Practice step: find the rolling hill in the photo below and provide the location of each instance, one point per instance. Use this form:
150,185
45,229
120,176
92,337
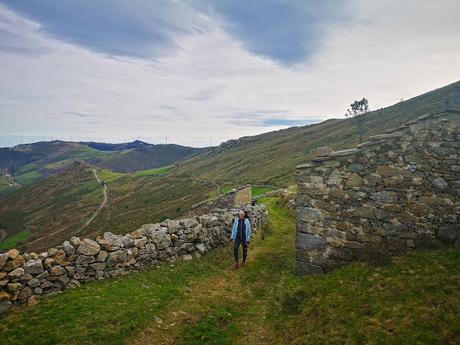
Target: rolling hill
27,163
137,198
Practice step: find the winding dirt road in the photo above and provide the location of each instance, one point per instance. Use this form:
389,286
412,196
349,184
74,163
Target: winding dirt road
101,206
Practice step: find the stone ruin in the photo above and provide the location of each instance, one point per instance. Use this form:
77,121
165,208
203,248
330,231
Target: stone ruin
396,192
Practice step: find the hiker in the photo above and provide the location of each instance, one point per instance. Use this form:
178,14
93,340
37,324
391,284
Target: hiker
241,234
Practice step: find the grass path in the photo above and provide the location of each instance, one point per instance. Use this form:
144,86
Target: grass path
231,307
413,300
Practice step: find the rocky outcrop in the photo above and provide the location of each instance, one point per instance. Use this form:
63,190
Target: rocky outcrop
25,277
396,192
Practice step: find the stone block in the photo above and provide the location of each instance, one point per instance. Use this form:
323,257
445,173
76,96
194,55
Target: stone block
307,241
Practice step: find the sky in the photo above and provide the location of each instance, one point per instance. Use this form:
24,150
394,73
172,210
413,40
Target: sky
199,72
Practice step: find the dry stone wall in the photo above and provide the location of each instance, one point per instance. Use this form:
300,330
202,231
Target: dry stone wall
396,192
24,277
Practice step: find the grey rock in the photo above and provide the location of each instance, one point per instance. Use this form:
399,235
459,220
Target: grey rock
161,239
68,248
57,271
114,240
88,247
355,167
14,287
128,242
307,241
307,213
85,260
75,241
52,251
449,234
201,247
455,168
43,275
102,256
16,273
33,283
305,268
140,242
384,196
34,266
118,256
25,293
98,266
188,222
440,183
4,306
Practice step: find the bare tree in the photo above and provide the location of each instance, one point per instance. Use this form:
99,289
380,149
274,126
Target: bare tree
358,109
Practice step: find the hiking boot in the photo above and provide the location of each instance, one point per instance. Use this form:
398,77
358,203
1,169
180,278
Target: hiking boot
236,265
243,264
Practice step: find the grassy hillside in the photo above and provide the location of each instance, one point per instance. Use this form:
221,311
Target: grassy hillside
31,162
57,205
270,158
413,300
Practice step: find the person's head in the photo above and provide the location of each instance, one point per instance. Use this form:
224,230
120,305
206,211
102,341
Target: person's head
241,214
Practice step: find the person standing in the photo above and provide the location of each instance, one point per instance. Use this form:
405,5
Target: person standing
241,234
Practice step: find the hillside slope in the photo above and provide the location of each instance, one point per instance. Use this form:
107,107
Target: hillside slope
272,157
268,158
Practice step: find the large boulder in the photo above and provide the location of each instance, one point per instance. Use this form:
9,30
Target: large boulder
88,247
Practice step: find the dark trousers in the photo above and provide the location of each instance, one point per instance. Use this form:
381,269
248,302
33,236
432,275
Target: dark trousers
236,246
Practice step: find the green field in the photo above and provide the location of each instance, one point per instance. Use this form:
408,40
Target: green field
413,300
14,241
256,191
28,177
153,172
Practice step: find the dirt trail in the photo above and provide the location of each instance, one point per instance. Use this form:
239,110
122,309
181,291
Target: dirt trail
101,206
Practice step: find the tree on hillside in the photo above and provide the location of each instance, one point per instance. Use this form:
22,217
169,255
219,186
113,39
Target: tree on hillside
358,109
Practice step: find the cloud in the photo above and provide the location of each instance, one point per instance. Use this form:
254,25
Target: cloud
210,83
288,31
134,28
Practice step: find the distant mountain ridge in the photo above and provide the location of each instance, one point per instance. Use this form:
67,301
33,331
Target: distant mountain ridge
30,162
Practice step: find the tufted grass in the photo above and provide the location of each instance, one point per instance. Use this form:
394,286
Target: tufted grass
413,300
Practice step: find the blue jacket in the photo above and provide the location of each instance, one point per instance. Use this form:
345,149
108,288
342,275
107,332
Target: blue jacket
247,224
